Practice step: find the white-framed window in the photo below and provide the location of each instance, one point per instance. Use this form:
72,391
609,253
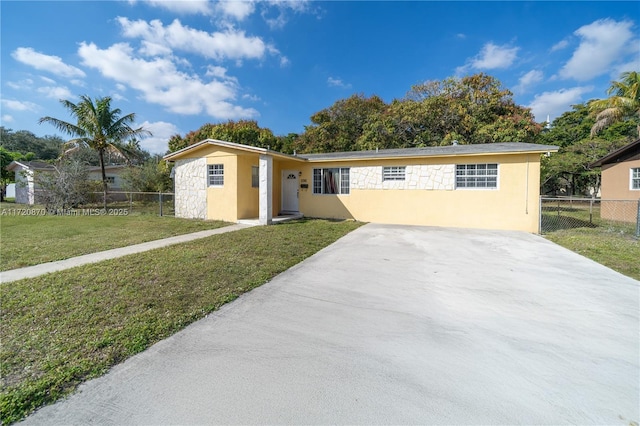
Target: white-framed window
634,185
255,176
216,174
331,181
483,176
393,172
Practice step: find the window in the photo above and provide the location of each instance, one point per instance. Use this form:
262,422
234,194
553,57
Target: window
635,178
255,176
331,181
476,176
216,174
111,179
393,173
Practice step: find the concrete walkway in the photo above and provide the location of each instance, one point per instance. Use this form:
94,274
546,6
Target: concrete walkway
395,325
59,265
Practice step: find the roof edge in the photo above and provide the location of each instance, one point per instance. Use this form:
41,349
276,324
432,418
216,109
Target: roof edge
615,155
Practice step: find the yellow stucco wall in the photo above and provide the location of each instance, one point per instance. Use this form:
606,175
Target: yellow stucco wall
248,197
514,205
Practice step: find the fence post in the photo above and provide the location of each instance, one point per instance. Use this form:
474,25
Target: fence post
638,221
540,217
591,211
160,200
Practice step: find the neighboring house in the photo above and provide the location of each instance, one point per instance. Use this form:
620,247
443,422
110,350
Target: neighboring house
25,185
494,186
26,189
620,181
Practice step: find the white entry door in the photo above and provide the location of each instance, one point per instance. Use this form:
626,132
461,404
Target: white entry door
290,190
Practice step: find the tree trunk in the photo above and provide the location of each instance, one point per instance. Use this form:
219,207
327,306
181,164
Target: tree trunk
104,180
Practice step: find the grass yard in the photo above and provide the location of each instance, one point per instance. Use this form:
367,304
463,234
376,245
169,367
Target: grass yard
31,240
578,226
616,250
64,328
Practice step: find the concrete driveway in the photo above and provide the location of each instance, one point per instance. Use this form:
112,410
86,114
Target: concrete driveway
396,325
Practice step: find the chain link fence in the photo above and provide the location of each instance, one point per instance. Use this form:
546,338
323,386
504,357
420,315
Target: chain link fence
157,203
621,216
121,203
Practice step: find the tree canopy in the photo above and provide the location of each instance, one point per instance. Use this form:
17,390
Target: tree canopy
569,167
473,109
99,127
623,104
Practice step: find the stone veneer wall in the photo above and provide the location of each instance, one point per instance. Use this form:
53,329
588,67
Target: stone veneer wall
435,177
190,177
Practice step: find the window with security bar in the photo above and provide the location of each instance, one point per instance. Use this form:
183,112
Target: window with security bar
635,178
477,176
216,174
331,181
393,173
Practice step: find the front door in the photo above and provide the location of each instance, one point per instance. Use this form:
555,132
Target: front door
290,190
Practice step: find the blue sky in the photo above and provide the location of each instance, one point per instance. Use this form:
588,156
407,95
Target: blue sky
179,65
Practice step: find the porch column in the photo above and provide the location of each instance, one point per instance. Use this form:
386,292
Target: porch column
266,189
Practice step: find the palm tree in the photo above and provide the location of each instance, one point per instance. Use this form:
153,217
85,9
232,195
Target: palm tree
623,102
98,127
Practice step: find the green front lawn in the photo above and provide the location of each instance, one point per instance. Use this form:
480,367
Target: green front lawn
61,329
31,240
618,250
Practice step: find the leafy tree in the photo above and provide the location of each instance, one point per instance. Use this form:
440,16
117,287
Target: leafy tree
152,176
569,166
623,104
246,132
24,142
99,127
66,187
472,109
338,127
6,176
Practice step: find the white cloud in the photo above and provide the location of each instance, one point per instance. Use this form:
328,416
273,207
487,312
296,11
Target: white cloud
555,103
235,9
19,105
55,92
118,97
21,85
491,57
633,65
47,80
337,82
560,45
186,7
253,98
159,39
6,118
77,82
603,43
159,142
528,80
43,62
283,7
461,36
219,72
121,87
162,83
